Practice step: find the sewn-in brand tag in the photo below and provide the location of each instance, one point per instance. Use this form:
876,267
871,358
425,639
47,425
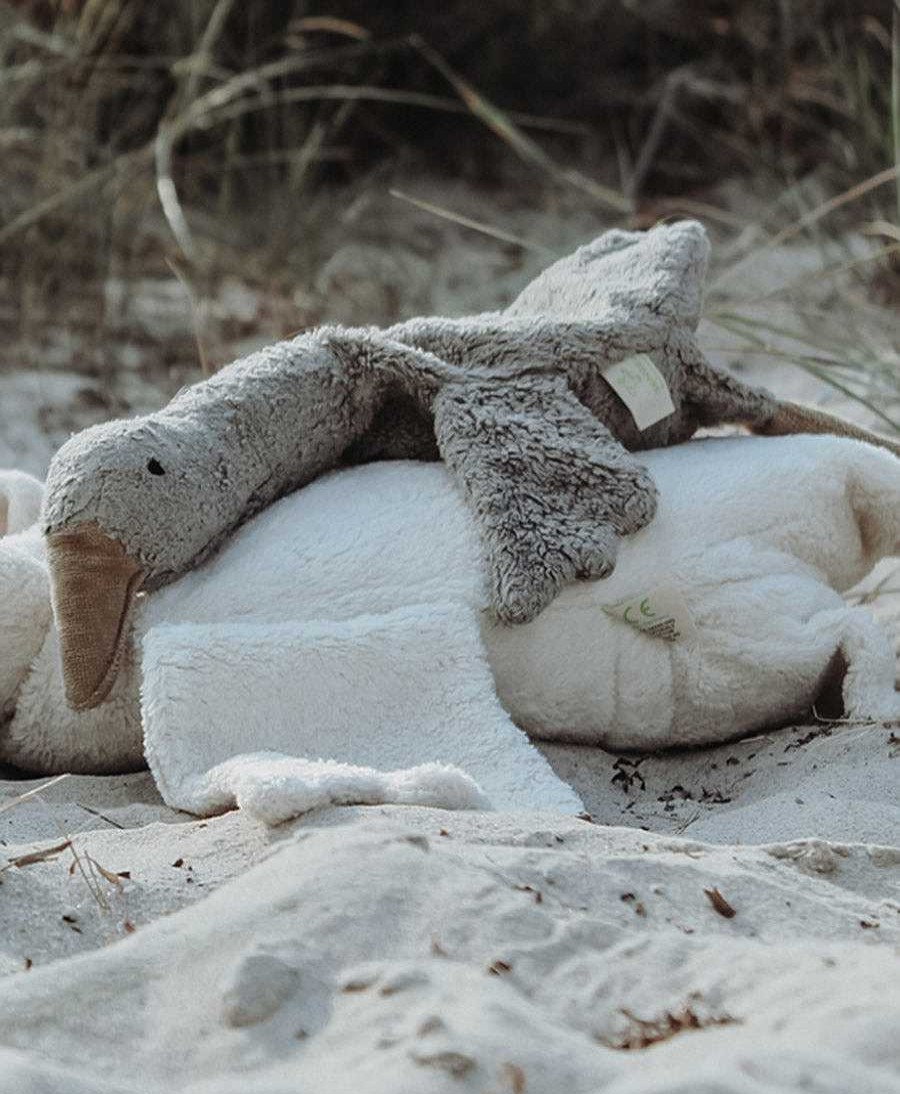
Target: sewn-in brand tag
660,613
642,388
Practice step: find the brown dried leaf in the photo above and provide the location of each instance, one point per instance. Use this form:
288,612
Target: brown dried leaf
536,893
720,904
515,1076
645,1032
637,905
71,922
40,856
113,879
351,987
456,1064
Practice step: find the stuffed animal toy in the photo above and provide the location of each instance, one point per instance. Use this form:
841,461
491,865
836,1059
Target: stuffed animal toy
723,616
20,501
533,410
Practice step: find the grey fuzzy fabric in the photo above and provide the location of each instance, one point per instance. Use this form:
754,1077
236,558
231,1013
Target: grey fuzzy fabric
514,402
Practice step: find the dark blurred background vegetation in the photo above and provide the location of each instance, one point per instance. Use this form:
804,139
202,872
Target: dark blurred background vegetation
193,139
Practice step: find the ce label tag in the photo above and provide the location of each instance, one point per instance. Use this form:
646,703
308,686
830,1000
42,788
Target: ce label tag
662,612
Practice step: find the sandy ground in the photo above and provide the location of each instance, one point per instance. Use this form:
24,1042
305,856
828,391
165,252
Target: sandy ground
405,949
724,921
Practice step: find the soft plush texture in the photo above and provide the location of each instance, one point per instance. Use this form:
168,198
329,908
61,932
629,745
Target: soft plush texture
335,625
398,703
516,404
20,501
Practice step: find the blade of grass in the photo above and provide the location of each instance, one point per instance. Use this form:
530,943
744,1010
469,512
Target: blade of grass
168,194
895,94
196,315
884,228
826,271
363,93
312,23
815,366
202,57
34,857
13,802
196,65
751,326
475,225
502,125
79,189
667,207
822,210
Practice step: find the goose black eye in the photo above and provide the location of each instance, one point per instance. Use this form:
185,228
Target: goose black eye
155,467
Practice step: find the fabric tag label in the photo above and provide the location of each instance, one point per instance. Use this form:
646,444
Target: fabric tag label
660,613
642,388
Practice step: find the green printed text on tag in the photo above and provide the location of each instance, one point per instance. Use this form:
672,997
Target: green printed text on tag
662,612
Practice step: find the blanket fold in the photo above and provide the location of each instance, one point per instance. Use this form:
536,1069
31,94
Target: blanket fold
401,705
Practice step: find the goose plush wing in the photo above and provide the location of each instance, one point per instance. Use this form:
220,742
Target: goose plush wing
540,442
549,487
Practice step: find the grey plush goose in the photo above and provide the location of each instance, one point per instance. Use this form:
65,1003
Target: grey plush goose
514,402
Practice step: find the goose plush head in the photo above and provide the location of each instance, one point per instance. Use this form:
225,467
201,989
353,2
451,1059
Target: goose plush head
130,505
134,504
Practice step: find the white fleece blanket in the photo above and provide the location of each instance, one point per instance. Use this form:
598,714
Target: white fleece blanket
399,707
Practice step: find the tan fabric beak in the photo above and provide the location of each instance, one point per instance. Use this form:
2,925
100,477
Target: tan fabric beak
794,418
94,583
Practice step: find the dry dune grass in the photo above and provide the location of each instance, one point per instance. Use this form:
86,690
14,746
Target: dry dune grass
249,125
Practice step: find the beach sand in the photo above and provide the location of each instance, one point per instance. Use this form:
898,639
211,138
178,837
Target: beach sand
405,949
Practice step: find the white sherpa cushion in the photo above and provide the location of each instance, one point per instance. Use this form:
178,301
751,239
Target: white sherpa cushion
758,537
20,501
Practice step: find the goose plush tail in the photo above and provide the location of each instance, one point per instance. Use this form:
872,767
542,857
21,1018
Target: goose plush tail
793,418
